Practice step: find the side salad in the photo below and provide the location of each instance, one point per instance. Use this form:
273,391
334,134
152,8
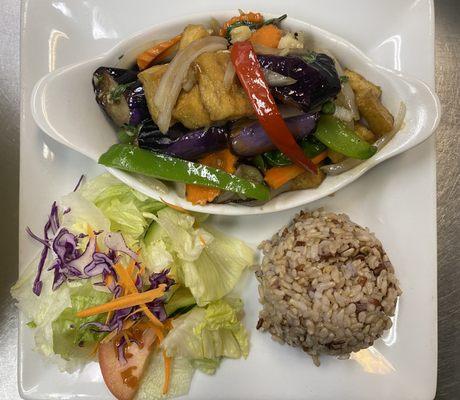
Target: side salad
241,111
144,288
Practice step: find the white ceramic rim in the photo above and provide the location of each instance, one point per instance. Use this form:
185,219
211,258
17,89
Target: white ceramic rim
432,109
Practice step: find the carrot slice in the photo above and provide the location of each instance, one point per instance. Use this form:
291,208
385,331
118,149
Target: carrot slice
278,176
267,35
223,159
129,300
167,361
145,59
246,17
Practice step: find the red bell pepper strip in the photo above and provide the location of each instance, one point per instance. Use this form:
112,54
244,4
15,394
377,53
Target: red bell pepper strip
248,69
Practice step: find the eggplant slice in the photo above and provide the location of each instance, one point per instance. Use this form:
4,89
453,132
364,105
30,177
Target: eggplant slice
120,95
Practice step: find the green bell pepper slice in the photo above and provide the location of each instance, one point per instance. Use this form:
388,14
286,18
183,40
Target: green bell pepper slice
338,137
133,159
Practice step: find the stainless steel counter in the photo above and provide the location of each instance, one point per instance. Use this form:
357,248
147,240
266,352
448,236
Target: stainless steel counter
448,149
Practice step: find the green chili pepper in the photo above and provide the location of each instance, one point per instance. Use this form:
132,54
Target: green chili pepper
133,159
310,145
338,137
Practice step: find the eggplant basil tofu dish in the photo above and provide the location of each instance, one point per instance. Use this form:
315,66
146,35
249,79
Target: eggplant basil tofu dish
241,111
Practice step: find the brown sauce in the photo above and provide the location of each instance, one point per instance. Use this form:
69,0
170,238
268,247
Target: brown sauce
129,378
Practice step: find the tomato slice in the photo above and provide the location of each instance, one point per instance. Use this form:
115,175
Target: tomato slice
248,69
123,379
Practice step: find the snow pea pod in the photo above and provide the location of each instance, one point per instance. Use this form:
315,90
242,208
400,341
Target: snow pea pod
133,159
338,137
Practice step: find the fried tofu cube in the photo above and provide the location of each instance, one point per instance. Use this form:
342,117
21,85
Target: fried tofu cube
307,180
378,118
360,84
192,33
189,109
368,95
221,103
364,133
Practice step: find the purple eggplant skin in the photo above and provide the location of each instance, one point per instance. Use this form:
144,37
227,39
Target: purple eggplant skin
317,79
120,95
188,146
252,139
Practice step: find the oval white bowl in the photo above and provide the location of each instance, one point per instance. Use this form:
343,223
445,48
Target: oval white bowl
63,106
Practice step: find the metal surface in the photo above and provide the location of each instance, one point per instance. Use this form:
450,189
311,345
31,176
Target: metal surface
448,179
448,146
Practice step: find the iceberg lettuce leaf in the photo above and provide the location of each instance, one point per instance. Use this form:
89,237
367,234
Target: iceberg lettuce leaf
128,210
151,385
217,271
205,335
70,339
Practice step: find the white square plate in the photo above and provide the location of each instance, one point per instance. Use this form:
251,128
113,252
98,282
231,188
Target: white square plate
396,200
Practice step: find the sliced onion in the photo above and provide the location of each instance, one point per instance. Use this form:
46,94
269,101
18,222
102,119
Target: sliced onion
346,97
275,79
229,75
190,80
344,114
349,163
171,82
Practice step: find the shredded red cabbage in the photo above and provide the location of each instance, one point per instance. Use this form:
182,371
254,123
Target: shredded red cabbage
69,262
114,241
158,278
79,183
51,225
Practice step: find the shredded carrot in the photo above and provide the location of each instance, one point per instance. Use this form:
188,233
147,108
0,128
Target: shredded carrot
139,310
278,176
167,362
267,35
145,59
108,280
158,331
126,281
223,159
126,325
130,300
132,266
141,270
246,17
